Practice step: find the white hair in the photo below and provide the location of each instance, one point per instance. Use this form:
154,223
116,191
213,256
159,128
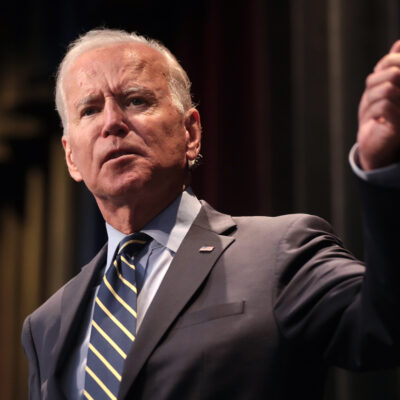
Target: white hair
178,80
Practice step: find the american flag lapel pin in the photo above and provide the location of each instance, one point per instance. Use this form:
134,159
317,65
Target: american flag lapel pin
206,249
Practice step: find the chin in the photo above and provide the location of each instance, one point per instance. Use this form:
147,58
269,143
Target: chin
128,188
119,187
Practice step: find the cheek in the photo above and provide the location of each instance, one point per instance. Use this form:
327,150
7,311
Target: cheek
82,154
163,137
175,135
173,146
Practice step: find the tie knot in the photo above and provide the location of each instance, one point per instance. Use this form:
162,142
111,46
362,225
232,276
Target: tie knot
133,243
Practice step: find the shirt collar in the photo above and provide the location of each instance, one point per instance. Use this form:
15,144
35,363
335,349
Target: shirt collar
168,228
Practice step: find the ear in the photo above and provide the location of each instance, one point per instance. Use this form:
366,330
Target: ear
69,158
193,134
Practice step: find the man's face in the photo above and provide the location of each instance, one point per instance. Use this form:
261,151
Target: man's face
125,136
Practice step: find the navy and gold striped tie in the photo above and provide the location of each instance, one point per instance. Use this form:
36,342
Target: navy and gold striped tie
114,322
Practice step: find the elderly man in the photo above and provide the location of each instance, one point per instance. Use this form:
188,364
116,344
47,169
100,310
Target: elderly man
184,302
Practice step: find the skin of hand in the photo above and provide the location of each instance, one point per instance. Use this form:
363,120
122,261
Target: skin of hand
378,134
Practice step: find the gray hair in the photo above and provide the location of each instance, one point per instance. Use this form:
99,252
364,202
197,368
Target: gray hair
178,80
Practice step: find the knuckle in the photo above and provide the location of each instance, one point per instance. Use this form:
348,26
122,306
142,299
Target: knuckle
388,89
386,106
394,74
369,80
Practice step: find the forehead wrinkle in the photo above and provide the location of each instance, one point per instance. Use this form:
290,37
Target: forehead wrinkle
134,72
143,61
81,77
136,65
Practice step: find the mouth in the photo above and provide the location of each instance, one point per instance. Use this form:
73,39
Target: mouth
119,153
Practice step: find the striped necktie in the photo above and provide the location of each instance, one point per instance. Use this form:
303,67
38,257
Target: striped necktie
114,322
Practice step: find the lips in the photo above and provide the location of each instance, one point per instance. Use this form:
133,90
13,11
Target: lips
119,152
116,154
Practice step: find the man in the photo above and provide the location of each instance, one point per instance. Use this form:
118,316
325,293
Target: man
240,308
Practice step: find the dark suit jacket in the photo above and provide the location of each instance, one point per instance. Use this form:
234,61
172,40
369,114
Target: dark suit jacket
260,316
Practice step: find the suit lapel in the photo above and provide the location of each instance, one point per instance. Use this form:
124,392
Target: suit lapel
188,270
75,298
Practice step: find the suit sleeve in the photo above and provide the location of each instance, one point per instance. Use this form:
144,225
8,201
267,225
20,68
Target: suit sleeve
30,351
328,301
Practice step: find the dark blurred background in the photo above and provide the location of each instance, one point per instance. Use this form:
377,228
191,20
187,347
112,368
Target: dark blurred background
277,84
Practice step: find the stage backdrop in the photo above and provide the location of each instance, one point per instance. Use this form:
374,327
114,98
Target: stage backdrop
277,84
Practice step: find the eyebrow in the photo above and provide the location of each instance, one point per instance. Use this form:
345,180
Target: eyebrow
85,101
138,89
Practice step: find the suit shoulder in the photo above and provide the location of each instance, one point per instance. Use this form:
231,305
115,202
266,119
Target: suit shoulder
276,237
283,223
52,306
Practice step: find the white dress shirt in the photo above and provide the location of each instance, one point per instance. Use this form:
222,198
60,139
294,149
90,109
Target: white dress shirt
388,176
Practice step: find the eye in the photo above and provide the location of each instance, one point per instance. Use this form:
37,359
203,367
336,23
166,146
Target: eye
87,112
136,101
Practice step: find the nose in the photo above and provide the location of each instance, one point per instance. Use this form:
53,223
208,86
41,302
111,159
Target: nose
114,119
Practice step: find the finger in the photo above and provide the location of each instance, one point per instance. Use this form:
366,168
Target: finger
385,90
382,109
395,47
391,74
390,60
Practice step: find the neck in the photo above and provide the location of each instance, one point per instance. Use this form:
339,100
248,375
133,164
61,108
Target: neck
132,215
